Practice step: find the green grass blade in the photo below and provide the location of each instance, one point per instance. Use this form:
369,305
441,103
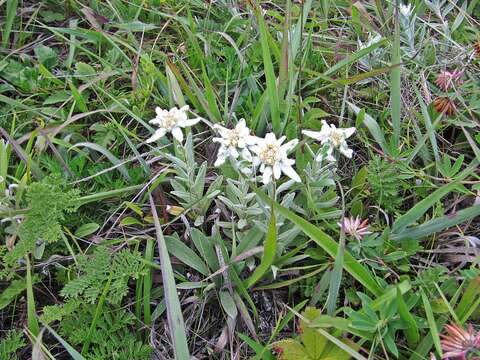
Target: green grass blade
395,83
354,57
269,250
174,310
351,265
147,284
431,323
411,331
336,277
31,316
113,159
373,127
10,18
422,207
428,125
438,224
269,74
469,301
71,351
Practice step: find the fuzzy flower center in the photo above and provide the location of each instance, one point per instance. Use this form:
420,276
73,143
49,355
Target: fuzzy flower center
170,121
270,154
336,138
232,138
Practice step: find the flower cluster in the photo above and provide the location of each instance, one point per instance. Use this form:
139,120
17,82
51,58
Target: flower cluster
269,155
446,80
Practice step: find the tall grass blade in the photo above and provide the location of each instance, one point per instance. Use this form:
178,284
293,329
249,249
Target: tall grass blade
438,224
147,284
395,82
336,277
373,127
113,159
269,74
469,301
31,316
411,331
71,351
10,18
422,207
431,322
174,310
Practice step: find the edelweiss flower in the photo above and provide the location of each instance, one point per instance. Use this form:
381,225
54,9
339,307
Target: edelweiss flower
271,155
459,342
335,138
233,140
173,121
355,227
406,10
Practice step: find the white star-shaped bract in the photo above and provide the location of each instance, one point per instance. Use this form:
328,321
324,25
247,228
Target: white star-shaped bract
406,10
271,155
233,142
172,121
334,138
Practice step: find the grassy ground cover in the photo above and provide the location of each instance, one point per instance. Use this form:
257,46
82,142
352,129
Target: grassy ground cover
293,180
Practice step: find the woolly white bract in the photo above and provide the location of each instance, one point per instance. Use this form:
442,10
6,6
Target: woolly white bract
334,137
172,121
233,142
273,159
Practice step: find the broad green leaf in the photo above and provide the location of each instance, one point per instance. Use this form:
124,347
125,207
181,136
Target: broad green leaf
86,229
186,255
46,55
315,344
58,97
291,350
228,304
